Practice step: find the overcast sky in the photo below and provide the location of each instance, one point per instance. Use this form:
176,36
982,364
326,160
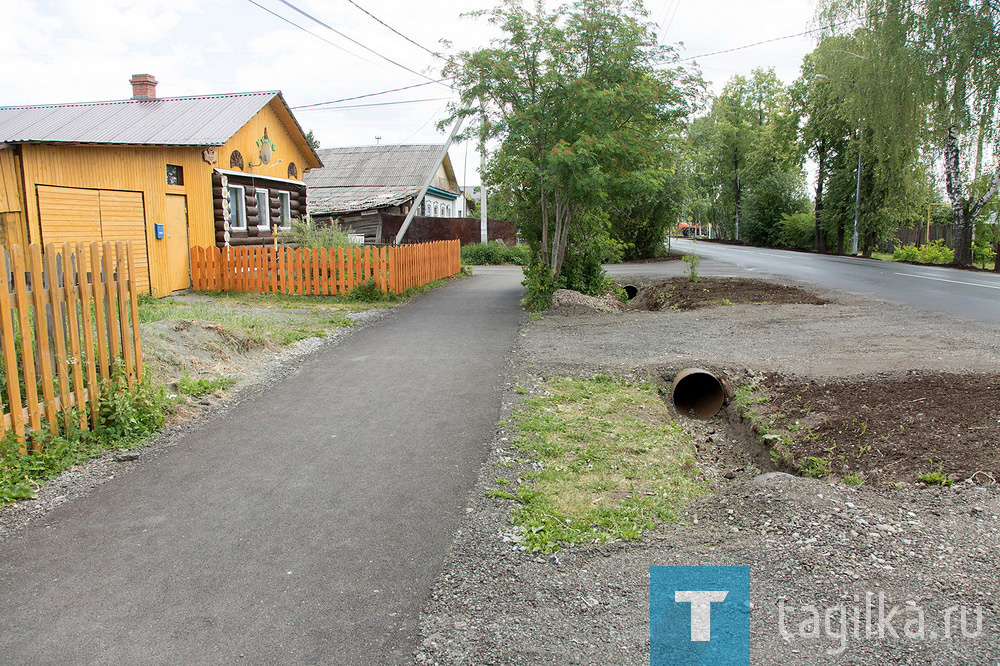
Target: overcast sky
85,50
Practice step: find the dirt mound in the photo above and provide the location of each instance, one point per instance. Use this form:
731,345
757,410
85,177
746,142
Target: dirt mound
172,347
891,429
681,294
573,300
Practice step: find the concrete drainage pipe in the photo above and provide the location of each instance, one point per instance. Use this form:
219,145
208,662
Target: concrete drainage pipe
699,394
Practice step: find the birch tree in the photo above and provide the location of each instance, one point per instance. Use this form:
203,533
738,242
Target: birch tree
957,43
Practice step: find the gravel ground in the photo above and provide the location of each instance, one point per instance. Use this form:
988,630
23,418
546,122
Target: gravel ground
257,372
850,336
809,543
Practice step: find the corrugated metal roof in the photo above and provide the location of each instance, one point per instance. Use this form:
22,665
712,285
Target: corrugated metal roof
205,120
364,177
350,199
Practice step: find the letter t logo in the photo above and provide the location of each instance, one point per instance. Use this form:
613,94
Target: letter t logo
701,611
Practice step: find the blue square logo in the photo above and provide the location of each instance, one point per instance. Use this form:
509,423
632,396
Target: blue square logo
699,616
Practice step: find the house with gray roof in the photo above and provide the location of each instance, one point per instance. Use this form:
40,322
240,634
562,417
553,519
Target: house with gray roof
166,173
358,185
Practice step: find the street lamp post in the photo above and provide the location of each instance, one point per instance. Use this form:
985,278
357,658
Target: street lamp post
857,205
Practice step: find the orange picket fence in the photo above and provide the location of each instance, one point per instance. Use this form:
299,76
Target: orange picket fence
322,271
69,319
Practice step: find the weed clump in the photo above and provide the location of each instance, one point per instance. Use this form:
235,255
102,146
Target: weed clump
127,416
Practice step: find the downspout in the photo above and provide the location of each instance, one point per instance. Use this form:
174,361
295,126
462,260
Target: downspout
427,183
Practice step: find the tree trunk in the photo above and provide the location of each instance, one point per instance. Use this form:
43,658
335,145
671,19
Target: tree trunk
840,239
820,232
996,258
543,250
959,205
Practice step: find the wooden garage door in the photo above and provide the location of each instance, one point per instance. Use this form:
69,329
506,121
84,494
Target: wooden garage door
73,215
123,219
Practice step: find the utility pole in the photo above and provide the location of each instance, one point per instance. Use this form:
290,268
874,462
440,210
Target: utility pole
483,224
427,183
857,206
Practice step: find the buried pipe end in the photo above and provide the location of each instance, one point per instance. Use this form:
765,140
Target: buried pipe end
631,291
699,394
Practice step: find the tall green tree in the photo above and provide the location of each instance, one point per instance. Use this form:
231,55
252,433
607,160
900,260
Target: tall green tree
864,116
581,100
748,136
956,45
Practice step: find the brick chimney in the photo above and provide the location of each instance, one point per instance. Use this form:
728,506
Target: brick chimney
143,86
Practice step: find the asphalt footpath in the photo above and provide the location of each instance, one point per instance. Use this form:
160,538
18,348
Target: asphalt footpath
305,525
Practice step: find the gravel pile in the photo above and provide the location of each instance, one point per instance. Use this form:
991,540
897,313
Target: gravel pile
567,300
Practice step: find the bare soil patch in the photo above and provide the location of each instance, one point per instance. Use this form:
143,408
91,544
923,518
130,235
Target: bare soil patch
890,429
681,294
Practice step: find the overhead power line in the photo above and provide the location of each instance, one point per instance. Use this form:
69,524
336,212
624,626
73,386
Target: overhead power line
365,106
374,94
775,39
406,37
309,32
354,41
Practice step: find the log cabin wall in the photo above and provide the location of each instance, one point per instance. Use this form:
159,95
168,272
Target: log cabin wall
253,234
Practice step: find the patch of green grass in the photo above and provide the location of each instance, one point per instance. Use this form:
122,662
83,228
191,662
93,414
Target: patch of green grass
853,479
816,468
197,387
282,322
936,477
612,464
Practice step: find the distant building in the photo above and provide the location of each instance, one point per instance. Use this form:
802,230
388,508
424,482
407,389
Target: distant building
358,184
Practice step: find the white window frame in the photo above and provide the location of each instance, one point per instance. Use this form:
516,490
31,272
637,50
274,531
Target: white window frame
263,216
241,208
285,208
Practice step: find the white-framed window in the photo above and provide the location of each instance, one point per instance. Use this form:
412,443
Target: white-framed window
436,209
285,205
263,209
237,208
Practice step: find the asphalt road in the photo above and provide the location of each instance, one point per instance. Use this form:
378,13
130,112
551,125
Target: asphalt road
975,295
304,525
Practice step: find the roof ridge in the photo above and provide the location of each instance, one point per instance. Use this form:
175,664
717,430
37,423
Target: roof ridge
131,101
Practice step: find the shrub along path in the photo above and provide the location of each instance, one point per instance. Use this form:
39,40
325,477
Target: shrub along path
303,525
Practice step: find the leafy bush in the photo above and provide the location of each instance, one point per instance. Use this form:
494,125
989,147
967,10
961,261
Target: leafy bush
906,253
367,292
495,252
540,285
584,273
798,231
931,253
306,233
765,205
983,253
692,261
128,414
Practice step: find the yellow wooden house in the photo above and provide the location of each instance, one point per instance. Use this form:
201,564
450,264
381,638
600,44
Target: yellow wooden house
165,173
